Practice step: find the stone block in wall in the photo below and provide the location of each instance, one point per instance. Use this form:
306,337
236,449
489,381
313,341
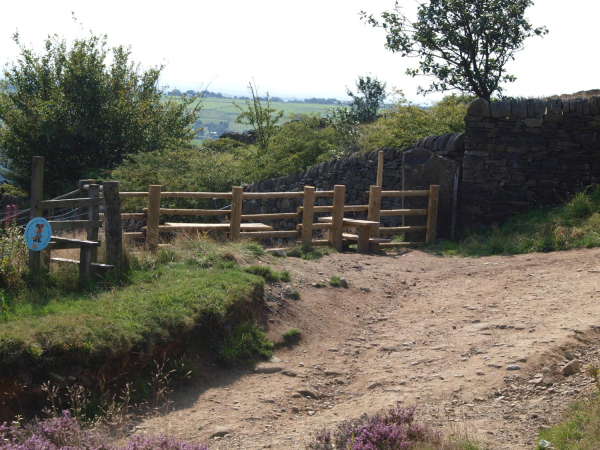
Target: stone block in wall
514,108
539,109
522,109
533,123
530,107
594,106
500,109
473,162
586,107
422,168
479,108
555,118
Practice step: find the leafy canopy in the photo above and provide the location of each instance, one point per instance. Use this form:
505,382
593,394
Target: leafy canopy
262,119
368,98
463,44
83,107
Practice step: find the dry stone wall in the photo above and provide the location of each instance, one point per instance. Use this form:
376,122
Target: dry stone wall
520,154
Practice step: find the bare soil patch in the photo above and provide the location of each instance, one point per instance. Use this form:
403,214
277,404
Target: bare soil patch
416,328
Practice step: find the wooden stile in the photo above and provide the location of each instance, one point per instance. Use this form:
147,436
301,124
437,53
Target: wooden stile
269,234
273,216
335,233
380,169
94,216
374,212
308,215
113,229
434,192
237,198
152,223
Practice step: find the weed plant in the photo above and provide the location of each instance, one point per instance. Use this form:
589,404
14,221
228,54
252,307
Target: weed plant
291,336
13,262
307,252
575,224
268,273
335,281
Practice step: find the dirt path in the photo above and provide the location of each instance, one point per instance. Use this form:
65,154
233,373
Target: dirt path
434,331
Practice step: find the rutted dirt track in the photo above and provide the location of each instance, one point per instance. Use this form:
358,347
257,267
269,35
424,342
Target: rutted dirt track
434,331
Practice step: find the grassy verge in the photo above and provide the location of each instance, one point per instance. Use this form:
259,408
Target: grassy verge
580,429
196,293
575,224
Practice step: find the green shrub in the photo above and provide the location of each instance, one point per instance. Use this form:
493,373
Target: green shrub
335,281
268,273
13,257
242,342
291,336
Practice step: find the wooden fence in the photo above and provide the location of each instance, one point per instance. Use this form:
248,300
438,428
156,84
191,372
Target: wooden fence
89,197
239,226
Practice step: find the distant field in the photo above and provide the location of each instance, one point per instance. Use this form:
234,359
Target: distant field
216,110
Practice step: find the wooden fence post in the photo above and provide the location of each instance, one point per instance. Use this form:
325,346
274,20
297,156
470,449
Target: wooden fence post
37,194
374,211
432,210
153,221
235,220
308,215
380,169
113,228
337,221
93,214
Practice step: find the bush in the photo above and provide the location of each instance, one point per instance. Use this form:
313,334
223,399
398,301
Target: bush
65,432
13,257
335,281
291,336
240,343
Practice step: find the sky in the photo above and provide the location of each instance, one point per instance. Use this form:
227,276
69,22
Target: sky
309,48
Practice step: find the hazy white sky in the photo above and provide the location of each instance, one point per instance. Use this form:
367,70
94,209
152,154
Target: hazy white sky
294,49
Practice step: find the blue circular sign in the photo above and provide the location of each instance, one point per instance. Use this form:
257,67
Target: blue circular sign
37,234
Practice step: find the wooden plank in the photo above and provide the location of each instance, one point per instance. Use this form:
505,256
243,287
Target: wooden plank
364,233
64,224
37,194
335,234
153,220
323,193
316,226
397,230
134,216
93,215
402,193
351,222
70,203
76,242
279,216
134,235
308,215
320,243
356,208
72,194
374,213
235,219
196,194
260,195
194,212
269,234
434,192
134,194
171,226
316,209
354,237
380,169
85,263
403,212
74,261
113,229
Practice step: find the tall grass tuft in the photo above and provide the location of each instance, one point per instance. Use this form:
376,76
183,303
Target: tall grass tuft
13,254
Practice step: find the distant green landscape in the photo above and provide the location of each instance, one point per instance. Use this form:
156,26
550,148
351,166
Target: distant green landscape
218,115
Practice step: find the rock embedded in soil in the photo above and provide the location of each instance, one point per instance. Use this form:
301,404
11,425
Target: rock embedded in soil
365,289
513,367
308,393
343,283
289,373
268,369
572,368
220,432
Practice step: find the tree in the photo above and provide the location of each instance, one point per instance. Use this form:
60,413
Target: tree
368,99
259,117
464,44
84,108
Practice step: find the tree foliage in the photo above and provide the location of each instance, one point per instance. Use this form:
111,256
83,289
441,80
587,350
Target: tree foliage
262,119
83,107
368,98
464,44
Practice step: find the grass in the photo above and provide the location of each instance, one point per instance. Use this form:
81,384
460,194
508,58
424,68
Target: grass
308,252
575,224
291,336
268,273
580,428
335,281
167,296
